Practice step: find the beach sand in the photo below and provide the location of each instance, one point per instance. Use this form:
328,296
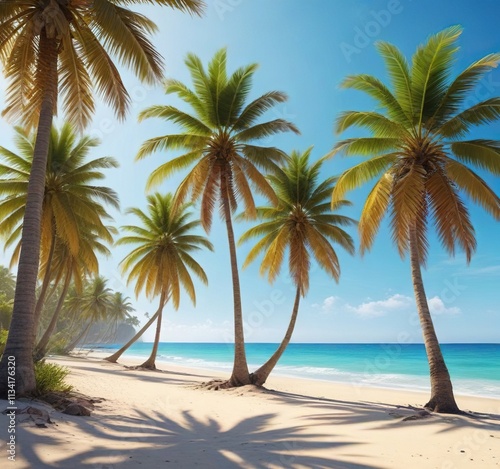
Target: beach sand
160,419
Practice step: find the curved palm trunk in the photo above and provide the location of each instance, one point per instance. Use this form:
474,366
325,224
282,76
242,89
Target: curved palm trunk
115,356
41,348
260,376
442,398
21,339
45,285
150,362
79,337
240,375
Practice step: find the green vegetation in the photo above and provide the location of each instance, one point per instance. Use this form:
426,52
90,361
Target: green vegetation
50,378
55,218
418,154
303,224
225,163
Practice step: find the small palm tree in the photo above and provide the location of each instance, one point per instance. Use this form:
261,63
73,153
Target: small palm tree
304,225
119,312
70,269
218,140
89,308
54,49
419,155
162,261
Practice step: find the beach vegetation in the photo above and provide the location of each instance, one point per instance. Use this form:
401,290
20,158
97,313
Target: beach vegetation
50,377
161,262
73,208
421,160
219,137
304,225
59,52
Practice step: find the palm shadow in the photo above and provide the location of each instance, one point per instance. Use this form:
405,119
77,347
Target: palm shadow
334,411
188,442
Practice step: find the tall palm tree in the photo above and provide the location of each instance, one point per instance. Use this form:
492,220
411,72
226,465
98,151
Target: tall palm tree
419,155
162,261
52,45
71,202
304,225
217,139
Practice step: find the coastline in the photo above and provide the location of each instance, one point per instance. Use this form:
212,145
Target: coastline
152,419
376,377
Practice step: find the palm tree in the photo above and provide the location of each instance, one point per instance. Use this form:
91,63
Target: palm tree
118,313
91,307
52,45
71,202
302,224
161,262
72,269
217,139
418,154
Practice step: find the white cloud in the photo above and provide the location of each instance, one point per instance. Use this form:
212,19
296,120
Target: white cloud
437,307
378,308
328,305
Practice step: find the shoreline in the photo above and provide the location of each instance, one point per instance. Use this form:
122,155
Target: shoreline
161,419
277,372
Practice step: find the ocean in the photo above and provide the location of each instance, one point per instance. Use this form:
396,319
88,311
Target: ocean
474,368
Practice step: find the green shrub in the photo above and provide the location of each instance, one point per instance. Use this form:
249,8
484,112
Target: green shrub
50,378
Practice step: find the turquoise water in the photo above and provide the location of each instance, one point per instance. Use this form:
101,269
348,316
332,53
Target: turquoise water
474,368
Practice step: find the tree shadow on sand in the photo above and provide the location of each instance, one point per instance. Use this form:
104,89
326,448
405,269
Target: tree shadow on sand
186,442
339,412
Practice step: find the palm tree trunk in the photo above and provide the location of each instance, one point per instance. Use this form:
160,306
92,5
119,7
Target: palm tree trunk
21,339
115,356
75,341
260,376
45,285
442,398
240,375
41,347
150,362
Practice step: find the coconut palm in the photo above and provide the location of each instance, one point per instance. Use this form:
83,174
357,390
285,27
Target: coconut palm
70,269
162,261
118,313
52,47
304,225
419,155
71,202
89,308
217,138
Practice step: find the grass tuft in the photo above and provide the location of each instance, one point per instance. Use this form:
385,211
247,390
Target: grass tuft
50,378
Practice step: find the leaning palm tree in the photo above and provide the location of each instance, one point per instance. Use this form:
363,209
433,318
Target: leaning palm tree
52,47
162,261
72,203
304,225
419,155
217,139
113,358
70,269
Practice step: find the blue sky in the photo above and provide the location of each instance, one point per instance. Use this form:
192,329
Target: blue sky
306,48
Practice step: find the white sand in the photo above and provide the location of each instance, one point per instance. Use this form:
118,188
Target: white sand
153,419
